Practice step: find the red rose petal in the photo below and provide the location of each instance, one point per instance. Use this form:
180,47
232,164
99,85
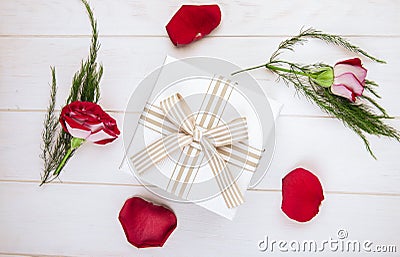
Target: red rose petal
146,224
301,195
192,22
354,62
353,66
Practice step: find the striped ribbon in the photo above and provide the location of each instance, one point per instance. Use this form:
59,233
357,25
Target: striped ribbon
190,134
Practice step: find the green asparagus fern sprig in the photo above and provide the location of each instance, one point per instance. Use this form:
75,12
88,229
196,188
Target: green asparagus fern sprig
56,148
361,118
86,82
328,38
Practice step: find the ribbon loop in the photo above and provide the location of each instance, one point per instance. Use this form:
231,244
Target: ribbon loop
228,134
178,112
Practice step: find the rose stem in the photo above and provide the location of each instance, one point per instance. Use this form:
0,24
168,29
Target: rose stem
273,68
75,144
62,163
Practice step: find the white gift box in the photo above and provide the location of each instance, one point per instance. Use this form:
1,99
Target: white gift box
182,175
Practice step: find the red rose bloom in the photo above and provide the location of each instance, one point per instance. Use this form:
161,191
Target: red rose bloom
192,22
88,121
301,195
146,224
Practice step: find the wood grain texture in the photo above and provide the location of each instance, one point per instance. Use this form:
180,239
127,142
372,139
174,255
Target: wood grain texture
25,72
240,17
78,217
300,141
83,221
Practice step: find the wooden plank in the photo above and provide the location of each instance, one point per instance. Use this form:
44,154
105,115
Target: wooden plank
336,154
25,74
322,145
82,220
241,17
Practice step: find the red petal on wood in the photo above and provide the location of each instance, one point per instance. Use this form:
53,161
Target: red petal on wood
146,224
301,195
192,22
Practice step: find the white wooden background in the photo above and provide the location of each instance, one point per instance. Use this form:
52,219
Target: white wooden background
79,216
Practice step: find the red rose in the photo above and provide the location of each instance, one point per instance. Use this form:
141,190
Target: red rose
86,120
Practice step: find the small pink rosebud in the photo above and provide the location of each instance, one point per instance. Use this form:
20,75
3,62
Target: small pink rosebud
349,79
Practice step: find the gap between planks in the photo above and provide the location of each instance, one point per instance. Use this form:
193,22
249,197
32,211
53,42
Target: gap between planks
32,255
140,185
123,112
166,36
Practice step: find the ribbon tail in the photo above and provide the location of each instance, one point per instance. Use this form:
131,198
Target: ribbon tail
241,155
230,191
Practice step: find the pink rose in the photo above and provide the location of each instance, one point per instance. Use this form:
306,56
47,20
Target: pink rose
349,79
86,120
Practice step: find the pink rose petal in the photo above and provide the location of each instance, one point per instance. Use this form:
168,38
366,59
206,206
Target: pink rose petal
358,71
351,82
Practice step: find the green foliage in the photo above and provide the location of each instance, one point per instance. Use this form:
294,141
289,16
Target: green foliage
53,147
339,41
369,87
85,87
328,38
360,117
86,81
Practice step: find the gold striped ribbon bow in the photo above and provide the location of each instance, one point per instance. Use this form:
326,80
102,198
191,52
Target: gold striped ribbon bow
190,133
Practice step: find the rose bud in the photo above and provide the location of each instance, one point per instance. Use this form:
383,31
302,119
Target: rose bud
192,22
301,195
146,224
349,79
88,121
323,76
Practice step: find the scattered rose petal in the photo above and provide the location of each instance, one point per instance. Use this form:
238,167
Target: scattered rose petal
146,224
301,195
192,22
